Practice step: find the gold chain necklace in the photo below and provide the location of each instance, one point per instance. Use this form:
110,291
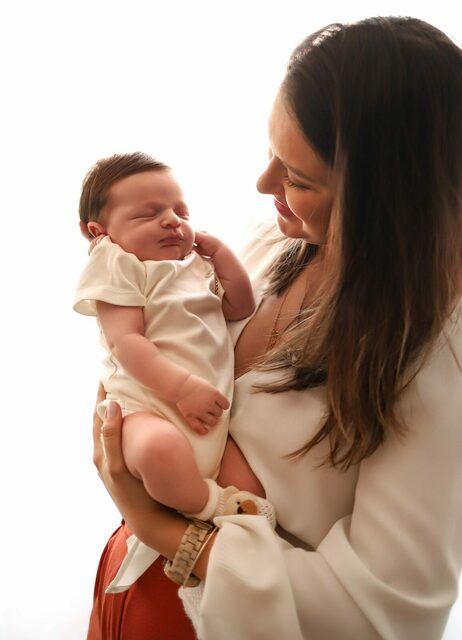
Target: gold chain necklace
275,334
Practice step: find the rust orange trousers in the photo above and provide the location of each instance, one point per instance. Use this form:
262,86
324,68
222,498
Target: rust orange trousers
149,610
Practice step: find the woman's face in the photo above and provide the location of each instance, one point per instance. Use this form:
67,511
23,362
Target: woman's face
301,183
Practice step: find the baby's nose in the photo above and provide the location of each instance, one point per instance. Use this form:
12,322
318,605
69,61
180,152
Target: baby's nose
170,219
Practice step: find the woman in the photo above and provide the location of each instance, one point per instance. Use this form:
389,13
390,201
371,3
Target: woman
348,400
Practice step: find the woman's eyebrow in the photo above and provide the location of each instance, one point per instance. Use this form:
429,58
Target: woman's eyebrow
302,175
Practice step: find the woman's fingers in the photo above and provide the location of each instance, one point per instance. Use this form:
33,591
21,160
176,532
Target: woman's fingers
97,422
101,394
111,438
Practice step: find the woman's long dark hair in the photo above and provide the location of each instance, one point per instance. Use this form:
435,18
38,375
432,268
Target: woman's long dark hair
381,103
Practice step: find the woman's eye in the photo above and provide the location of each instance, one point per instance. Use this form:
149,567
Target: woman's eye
302,187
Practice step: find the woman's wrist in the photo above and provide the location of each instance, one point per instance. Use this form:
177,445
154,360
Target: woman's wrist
164,530
202,562
195,540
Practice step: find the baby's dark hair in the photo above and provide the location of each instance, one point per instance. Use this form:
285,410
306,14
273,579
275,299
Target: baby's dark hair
105,173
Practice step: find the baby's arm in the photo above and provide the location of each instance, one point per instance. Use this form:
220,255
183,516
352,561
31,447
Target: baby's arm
197,400
238,300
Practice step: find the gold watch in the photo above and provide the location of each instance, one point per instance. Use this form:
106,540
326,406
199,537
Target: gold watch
180,569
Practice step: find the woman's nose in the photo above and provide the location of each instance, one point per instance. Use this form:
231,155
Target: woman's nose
270,180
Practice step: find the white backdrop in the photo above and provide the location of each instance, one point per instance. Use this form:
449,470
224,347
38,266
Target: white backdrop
190,83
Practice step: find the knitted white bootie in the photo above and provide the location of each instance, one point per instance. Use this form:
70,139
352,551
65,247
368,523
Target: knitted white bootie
231,501
216,503
248,503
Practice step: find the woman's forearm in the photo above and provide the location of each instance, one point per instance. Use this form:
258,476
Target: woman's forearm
164,532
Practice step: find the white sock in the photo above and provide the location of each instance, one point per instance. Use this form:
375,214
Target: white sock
208,511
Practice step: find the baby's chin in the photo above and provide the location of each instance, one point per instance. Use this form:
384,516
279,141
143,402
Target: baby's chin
174,252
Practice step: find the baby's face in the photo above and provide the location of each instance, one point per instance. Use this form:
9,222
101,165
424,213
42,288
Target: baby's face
146,215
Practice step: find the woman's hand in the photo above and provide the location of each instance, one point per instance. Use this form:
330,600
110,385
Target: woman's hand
128,493
155,525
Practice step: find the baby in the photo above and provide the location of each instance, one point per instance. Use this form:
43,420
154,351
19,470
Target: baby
162,294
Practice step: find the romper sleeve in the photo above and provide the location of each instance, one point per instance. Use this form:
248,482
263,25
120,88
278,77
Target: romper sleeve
388,570
111,275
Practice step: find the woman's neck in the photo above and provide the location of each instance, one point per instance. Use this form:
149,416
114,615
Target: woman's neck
275,316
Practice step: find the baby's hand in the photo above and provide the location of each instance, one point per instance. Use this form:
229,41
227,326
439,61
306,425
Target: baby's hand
201,404
206,245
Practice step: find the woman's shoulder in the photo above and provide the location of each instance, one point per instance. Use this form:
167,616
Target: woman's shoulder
447,348
435,391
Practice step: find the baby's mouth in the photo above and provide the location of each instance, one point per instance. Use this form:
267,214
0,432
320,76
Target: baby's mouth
172,239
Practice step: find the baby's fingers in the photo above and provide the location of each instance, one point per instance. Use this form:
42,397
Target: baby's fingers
222,401
197,426
210,420
215,410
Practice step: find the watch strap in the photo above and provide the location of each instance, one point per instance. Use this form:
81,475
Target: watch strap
180,569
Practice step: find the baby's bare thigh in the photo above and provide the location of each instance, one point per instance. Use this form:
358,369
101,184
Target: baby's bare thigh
144,426
149,440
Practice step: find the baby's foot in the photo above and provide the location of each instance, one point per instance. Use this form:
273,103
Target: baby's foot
215,506
248,503
230,501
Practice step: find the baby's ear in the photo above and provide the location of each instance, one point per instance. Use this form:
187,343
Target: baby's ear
92,229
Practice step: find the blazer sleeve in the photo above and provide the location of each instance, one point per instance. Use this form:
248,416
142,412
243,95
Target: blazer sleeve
388,570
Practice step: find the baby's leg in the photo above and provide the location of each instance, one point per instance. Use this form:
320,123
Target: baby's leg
235,470
160,455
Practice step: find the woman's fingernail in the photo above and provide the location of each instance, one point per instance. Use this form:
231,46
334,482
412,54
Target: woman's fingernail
110,411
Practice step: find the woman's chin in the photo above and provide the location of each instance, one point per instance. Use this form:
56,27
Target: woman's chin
292,228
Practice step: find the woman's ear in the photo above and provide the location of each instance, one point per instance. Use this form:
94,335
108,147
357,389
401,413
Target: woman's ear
92,229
